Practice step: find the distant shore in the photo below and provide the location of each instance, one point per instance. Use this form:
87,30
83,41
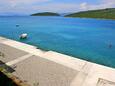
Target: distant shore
45,14
108,13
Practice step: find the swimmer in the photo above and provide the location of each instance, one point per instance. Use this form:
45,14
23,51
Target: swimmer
17,25
110,45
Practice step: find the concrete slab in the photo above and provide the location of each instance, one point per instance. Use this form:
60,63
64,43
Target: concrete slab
18,60
2,39
103,82
9,53
47,73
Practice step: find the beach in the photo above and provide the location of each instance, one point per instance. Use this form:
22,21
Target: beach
49,68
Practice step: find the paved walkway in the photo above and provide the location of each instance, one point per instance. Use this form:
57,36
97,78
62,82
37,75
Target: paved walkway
46,68
20,59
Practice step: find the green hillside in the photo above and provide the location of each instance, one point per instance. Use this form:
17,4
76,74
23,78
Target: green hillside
103,13
45,14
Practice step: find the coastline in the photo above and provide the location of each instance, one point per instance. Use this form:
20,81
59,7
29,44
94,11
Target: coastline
89,74
91,18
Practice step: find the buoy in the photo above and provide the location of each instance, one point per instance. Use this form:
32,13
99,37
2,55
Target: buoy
23,36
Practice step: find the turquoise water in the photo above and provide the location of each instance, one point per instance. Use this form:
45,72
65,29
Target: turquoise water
86,39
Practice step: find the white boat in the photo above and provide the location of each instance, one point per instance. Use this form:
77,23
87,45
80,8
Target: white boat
23,36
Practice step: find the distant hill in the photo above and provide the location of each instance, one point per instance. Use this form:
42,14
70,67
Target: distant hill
46,14
108,13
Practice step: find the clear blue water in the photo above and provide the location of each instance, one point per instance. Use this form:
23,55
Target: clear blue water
86,39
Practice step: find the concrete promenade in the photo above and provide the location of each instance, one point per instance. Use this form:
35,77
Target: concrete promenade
48,68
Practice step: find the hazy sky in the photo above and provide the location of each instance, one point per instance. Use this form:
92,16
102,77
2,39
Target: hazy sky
61,6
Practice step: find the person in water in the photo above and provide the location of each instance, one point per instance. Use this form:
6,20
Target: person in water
17,25
110,45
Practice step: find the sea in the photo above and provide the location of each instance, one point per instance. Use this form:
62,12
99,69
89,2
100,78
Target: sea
84,38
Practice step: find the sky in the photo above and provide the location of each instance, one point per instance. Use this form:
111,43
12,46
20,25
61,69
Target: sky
60,6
